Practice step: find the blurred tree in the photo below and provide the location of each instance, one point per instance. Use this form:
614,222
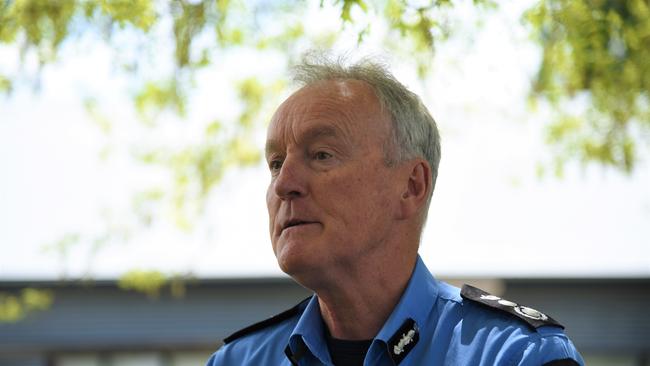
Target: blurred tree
595,71
40,28
15,306
200,32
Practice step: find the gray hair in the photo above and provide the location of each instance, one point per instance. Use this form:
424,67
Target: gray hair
415,133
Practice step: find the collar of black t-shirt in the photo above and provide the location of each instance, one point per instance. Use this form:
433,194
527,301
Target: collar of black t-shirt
347,353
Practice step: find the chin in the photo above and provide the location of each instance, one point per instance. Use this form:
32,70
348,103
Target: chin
304,269
292,264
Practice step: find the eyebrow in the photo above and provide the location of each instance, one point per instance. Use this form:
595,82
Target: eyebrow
312,134
321,131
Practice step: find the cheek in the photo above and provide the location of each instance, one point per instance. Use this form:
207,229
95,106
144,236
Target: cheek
360,198
271,206
374,197
268,198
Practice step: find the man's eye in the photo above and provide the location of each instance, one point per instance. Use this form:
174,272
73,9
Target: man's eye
275,165
322,155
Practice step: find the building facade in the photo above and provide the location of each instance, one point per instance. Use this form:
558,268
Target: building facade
99,324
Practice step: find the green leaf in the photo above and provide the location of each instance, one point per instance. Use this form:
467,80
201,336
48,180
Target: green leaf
16,306
595,54
5,84
155,97
147,282
139,13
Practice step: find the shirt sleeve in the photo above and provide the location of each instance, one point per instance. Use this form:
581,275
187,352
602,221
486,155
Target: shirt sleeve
551,348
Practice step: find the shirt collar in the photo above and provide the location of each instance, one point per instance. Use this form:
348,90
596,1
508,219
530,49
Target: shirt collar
416,303
309,333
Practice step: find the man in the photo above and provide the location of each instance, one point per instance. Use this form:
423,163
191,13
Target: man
353,157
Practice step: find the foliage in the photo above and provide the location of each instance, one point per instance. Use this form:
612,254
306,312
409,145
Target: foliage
201,31
148,282
595,70
152,282
163,79
14,307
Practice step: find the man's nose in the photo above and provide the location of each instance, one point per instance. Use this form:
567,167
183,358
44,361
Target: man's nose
291,182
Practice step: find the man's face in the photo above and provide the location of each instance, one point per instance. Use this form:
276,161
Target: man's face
332,198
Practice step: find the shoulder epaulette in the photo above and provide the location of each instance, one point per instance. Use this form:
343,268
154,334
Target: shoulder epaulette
265,323
532,317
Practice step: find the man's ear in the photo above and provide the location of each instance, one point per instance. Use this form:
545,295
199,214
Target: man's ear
415,193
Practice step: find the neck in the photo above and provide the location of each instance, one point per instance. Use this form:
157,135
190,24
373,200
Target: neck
357,304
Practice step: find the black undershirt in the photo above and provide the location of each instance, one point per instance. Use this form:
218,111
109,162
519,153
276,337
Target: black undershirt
347,353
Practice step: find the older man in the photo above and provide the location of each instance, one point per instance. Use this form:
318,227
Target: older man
353,157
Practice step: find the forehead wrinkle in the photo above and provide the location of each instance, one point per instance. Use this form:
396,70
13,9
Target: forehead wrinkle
307,122
321,131
324,121
340,106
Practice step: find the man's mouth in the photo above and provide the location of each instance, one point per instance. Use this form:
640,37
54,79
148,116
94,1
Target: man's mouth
296,222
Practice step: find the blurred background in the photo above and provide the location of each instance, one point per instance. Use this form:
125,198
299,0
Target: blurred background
133,227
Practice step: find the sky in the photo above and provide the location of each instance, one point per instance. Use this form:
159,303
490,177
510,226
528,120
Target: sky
491,215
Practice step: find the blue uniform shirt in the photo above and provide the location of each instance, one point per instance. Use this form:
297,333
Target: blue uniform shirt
433,324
